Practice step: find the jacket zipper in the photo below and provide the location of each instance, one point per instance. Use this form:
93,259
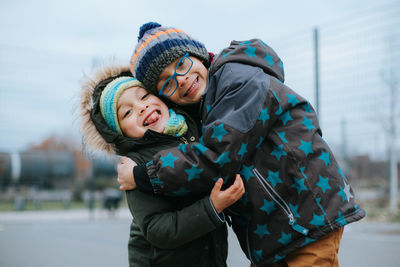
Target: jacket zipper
248,246
184,140
281,203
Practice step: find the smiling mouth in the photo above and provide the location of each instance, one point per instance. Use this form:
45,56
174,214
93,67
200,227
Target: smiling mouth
195,82
152,118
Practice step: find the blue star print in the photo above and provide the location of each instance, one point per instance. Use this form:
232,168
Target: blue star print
257,254
194,172
200,148
269,59
324,183
306,147
318,200
278,152
259,143
307,108
263,43
325,157
274,93
292,99
246,172
282,136
285,117
219,132
299,185
168,160
317,220
268,206
223,159
302,169
341,220
250,51
294,210
278,258
245,43
261,230
225,54
244,199
341,174
342,194
285,238
243,150
308,240
273,178
279,111
182,148
181,192
308,123
264,116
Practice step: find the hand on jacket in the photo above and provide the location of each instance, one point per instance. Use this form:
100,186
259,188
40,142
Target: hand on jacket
223,199
125,174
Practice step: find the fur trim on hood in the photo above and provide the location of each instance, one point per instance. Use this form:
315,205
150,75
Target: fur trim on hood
92,138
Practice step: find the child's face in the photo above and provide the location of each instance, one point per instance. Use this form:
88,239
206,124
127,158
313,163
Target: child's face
139,111
190,86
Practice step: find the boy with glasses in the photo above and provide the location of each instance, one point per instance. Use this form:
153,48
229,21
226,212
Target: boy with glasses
297,199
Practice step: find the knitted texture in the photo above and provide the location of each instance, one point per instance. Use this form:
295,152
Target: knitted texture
158,47
176,125
109,99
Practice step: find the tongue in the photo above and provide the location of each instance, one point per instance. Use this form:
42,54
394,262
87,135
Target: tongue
152,118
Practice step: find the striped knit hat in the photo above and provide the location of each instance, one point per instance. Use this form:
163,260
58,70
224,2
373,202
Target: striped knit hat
109,100
157,48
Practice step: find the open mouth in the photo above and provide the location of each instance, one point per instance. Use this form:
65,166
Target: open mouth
152,118
193,87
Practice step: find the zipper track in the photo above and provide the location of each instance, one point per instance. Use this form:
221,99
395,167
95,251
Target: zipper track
248,246
277,198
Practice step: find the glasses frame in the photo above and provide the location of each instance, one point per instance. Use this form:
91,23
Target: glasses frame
161,93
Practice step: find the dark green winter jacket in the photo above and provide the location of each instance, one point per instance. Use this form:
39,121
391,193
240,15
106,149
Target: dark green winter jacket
165,231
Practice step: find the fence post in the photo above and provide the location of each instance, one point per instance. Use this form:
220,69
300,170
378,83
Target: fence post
316,65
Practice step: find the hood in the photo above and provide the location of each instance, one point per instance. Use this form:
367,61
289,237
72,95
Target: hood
252,52
96,133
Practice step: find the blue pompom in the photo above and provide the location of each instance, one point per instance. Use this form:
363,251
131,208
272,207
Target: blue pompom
146,27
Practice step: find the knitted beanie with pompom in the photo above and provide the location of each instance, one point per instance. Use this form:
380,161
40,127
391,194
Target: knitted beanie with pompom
158,47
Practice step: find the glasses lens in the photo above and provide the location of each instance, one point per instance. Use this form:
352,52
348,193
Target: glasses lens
169,87
184,65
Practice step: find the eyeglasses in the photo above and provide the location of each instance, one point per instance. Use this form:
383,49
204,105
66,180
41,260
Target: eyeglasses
181,69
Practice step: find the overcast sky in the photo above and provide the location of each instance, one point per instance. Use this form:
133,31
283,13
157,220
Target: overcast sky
47,45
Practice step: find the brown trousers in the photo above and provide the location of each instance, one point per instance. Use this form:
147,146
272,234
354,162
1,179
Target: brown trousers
322,253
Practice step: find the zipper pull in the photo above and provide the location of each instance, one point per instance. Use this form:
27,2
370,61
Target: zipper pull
291,219
184,140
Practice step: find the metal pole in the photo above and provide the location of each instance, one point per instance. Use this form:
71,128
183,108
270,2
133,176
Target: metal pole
393,146
316,58
344,148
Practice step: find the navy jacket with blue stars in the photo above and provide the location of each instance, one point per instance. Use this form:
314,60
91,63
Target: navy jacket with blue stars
255,125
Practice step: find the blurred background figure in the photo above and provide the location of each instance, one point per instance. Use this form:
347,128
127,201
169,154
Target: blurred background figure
111,200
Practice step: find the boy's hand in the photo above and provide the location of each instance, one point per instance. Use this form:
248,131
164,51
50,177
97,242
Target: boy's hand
125,174
223,199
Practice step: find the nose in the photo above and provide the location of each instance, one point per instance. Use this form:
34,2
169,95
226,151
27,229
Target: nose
182,80
142,108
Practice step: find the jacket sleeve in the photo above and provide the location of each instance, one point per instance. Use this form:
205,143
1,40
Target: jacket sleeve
239,110
167,228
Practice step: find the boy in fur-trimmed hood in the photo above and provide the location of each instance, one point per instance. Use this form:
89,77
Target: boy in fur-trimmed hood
119,116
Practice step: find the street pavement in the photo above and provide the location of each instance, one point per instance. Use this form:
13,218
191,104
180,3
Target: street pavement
82,239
